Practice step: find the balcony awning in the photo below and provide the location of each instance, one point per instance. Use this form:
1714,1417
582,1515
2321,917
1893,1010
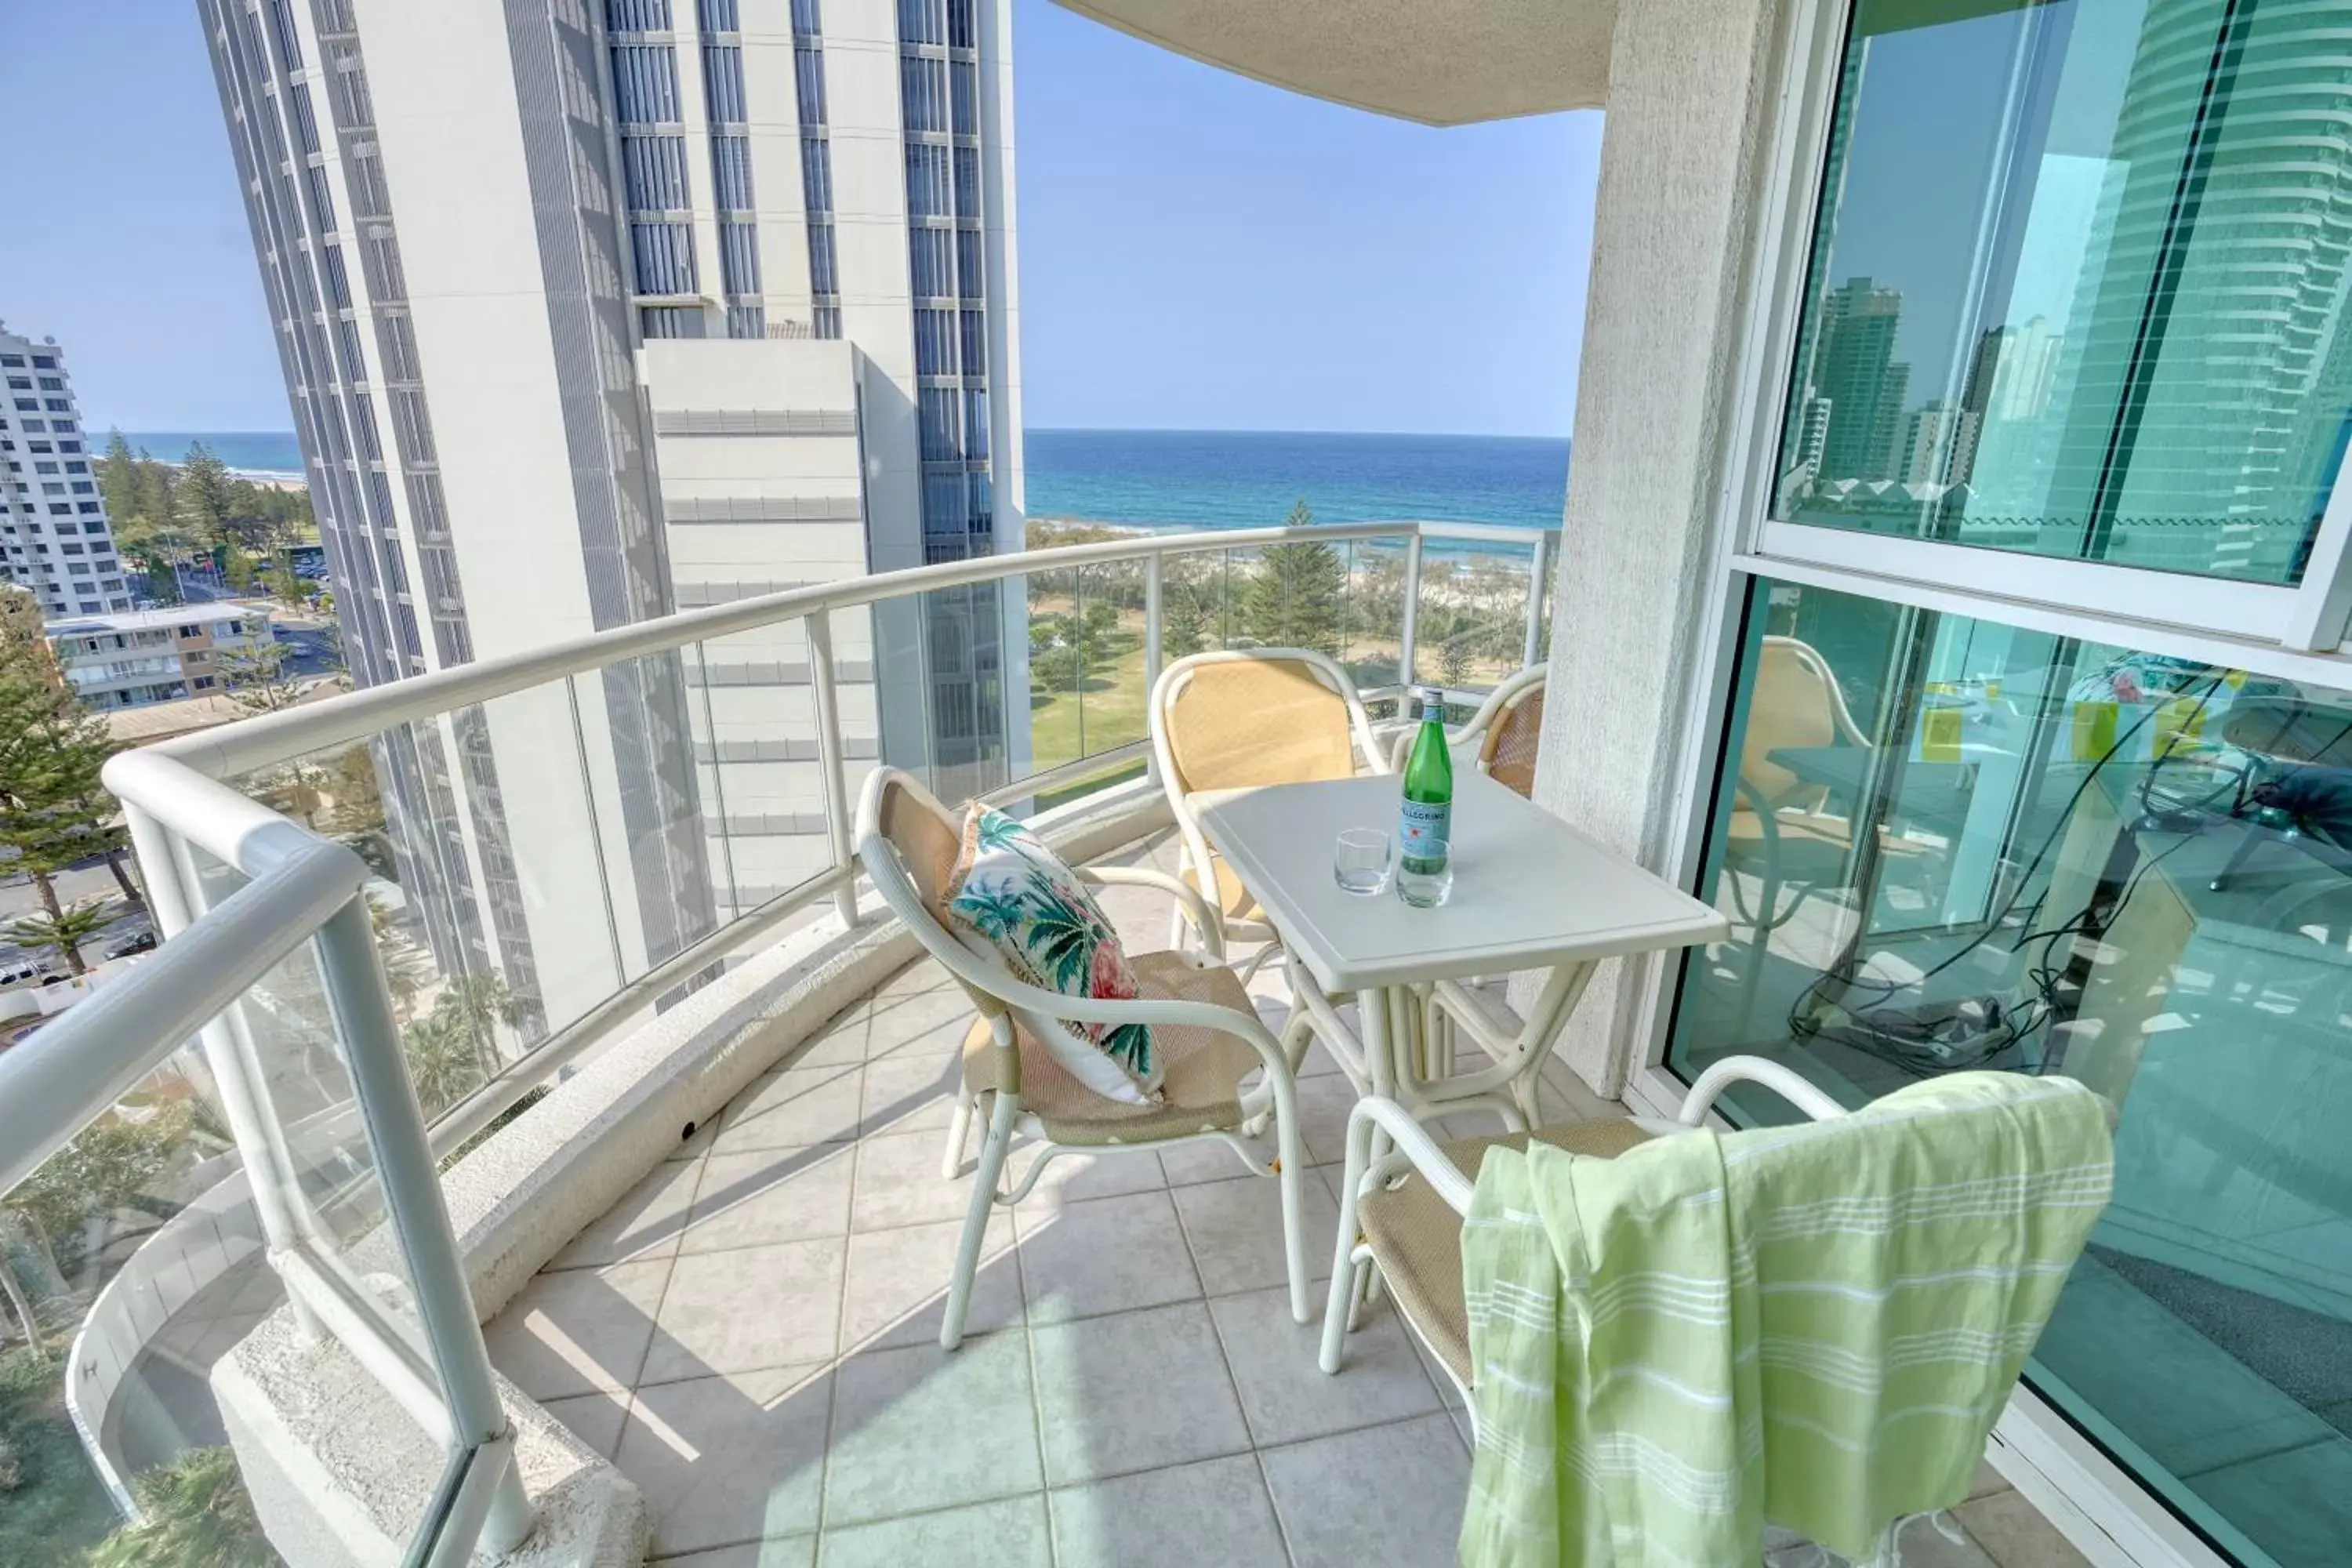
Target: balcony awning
1442,62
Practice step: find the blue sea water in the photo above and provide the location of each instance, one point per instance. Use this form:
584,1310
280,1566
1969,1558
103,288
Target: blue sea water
1223,478
263,451
1194,479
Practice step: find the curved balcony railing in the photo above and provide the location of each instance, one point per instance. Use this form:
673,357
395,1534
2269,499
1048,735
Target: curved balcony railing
551,865
558,843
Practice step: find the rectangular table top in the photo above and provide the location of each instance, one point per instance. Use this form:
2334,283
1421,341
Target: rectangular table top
1529,891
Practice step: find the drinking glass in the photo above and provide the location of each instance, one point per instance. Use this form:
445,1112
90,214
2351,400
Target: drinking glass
1360,861
1424,889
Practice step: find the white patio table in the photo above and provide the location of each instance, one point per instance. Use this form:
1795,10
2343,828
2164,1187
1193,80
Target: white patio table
1531,892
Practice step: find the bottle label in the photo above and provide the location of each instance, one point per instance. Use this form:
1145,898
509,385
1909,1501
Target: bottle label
1425,825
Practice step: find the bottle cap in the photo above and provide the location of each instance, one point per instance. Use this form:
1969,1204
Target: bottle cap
1430,697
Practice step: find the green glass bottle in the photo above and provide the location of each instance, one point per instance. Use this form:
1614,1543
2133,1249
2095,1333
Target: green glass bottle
1426,825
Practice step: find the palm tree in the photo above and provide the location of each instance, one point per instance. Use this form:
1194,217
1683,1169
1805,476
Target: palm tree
67,930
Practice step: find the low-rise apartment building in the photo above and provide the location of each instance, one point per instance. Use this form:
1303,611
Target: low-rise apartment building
153,655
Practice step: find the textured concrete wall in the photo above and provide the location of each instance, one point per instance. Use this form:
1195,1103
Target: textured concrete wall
1688,93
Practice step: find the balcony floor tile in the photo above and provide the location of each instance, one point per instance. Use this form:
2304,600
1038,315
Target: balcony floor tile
1216,1512
1136,1391
1131,1391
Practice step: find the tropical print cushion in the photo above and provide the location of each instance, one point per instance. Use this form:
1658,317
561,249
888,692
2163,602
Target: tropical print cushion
1020,897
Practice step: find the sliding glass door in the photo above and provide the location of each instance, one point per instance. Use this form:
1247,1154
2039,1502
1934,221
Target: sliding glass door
2035,750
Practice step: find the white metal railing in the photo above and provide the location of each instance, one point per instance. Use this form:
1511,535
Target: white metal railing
298,887
253,745
300,890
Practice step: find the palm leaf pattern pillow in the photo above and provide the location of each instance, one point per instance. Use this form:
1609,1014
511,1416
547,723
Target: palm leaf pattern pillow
1026,903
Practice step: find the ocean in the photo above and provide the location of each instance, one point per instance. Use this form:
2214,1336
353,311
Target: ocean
1194,478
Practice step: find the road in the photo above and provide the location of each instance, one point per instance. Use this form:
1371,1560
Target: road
309,643
92,879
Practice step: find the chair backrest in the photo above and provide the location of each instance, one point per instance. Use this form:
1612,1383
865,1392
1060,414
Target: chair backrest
1506,750
1260,716
909,843
1796,703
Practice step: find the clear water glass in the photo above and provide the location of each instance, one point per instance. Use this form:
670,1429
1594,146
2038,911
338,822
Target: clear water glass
1360,861
1423,888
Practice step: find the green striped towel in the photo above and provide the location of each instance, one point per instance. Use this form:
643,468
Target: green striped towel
1815,1325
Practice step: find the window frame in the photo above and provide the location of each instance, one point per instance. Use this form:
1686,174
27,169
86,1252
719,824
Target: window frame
2311,615
2299,633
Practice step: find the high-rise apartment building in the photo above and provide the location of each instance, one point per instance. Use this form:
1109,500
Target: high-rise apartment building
55,537
1855,369
593,311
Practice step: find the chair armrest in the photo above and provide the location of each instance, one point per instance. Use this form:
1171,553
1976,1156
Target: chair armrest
1798,1091
1413,1143
1175,888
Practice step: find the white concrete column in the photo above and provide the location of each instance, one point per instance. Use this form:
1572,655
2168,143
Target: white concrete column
1688,90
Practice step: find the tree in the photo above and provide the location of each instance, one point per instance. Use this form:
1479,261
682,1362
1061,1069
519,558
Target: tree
255,677
1294,597
118,479
449,1049
207,505
194,1513
53,811
66,932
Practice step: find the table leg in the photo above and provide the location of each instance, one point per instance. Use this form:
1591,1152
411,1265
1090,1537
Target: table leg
1373,1017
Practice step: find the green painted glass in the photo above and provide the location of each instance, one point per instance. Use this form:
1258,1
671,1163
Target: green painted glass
1428,810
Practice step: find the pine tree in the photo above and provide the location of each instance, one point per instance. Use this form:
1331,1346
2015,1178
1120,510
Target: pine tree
1295,596
117,479
207,505
53,812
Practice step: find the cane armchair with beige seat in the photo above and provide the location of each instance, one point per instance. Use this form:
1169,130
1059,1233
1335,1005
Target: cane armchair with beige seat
1241,719
1225,1071
1500,738
1401,1214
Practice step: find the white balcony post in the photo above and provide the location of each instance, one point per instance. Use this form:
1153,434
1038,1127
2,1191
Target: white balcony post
595,831
362,1004
1409,625
831,763
1533,644
1152,656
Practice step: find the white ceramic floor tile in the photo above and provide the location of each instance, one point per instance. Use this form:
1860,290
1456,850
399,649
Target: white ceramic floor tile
918,1429
1236,1237
898,1284
749,1309
1391,1495
793,1551
580,1331
794,1109
898,1183
911,1092
1081,1178
728,1460
1132,1392
1212,1160
1011,1532
776,1195
1176,1516
2012,1533
646,1222
595,1418
1286,1396
1112,1255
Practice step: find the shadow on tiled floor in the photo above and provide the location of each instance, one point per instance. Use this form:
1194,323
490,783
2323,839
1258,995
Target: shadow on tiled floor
751,1336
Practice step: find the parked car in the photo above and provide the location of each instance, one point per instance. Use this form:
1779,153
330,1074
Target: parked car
143,942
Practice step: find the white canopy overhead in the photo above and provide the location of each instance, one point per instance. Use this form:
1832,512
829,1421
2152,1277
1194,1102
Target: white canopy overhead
1442,62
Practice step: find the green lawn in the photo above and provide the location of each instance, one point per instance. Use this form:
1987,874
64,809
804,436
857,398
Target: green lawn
1106,712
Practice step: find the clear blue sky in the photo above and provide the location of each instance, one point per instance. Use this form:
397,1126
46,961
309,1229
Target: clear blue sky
1197,251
